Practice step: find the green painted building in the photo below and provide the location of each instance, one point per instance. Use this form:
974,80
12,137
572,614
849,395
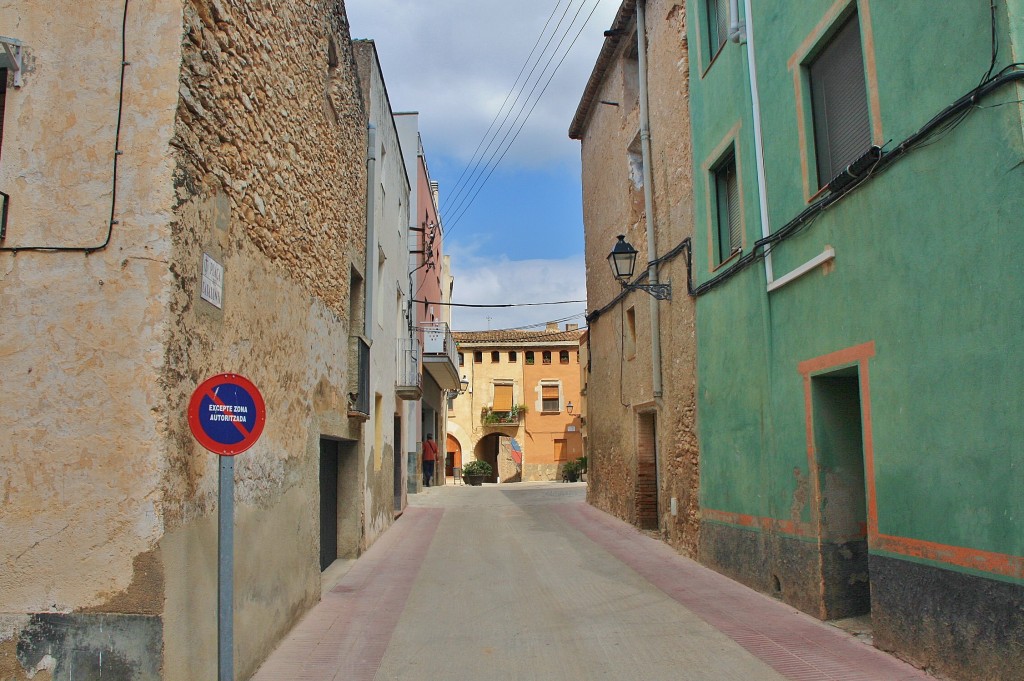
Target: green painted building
859,227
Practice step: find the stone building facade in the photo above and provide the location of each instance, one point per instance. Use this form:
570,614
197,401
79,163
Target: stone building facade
223,129
519,386
640,380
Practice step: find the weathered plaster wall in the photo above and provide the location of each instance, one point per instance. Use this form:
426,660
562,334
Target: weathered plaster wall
620,379
270,141
390,282
81,458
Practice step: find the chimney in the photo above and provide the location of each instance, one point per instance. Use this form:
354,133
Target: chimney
571,327
552,326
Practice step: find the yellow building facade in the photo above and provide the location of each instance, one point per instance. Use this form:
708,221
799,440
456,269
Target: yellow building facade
520,411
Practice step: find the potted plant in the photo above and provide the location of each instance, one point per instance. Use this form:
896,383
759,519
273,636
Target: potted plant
474,472
571,471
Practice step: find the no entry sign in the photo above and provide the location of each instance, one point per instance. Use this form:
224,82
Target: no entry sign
227,414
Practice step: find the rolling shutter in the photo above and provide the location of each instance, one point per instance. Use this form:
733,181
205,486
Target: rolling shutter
839,103
502,398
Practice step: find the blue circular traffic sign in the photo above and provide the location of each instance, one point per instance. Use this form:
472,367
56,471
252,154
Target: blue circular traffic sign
227,414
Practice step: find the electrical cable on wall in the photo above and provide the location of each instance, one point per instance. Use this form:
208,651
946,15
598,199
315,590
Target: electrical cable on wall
117,153
934,130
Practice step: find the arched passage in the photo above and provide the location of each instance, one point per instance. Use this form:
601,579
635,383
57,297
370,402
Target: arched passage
453,454
487,450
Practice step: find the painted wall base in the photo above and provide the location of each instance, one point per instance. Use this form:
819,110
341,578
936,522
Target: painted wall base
953,624
832,585
92,647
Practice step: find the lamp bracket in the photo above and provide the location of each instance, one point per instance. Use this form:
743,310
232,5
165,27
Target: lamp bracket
659,291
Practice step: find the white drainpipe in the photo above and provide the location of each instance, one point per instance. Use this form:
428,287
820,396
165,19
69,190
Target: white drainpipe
645,150
739,31
747,30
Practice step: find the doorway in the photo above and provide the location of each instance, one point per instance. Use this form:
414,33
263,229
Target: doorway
328,503
487,450
842,506
396,455
647,471
340,529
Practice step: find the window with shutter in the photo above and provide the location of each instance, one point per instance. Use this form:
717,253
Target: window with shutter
550,400
839,102
717,13
729,227
502,397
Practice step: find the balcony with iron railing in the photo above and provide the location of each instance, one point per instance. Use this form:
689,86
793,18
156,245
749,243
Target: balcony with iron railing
440,355
359,398
490,418
410,379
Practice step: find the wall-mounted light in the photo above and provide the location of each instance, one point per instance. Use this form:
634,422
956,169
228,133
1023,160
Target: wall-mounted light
623,262
568,408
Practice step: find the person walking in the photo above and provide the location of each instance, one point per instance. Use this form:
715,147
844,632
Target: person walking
429,457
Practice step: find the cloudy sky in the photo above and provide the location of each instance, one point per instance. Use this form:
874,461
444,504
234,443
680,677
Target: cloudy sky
517,235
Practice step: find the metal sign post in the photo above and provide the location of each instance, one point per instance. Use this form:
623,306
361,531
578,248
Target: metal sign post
226,415
226,571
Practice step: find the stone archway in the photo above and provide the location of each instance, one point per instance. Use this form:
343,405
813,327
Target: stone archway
487,450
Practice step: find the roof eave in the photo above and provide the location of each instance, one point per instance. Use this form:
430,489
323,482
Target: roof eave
604,60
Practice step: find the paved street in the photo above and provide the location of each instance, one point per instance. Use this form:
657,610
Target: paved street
529,582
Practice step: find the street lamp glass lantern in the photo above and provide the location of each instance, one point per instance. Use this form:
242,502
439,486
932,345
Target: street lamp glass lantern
568,407
464,384
622,259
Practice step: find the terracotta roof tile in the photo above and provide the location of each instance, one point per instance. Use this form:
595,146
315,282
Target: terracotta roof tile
517,336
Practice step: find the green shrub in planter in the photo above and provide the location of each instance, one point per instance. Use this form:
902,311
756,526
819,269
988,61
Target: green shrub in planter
477,468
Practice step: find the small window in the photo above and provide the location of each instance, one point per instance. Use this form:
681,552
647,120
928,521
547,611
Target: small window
717,13
462,360
839,102
630,333
546,357
478,357
3,102
577,357
513,356
550,399
728,226
563,357
495,357
529,356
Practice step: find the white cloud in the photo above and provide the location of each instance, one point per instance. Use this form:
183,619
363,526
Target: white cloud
484,279
455,60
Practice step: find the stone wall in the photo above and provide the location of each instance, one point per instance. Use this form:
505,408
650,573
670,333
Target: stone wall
620,381
270,178
81,336
243,137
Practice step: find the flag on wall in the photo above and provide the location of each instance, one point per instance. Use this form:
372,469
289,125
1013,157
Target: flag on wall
517,452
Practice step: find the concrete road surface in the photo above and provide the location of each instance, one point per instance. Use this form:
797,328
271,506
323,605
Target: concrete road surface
526,581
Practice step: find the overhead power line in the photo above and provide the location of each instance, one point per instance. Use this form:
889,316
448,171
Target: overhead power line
482,175
559,302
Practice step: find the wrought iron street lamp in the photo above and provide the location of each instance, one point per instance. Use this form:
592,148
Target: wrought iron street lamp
568,408
623,262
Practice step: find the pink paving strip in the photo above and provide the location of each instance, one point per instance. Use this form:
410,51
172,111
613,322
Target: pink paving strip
345,636
792,643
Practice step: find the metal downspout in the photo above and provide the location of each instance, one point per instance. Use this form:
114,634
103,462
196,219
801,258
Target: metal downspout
747,31
645,150
371,227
